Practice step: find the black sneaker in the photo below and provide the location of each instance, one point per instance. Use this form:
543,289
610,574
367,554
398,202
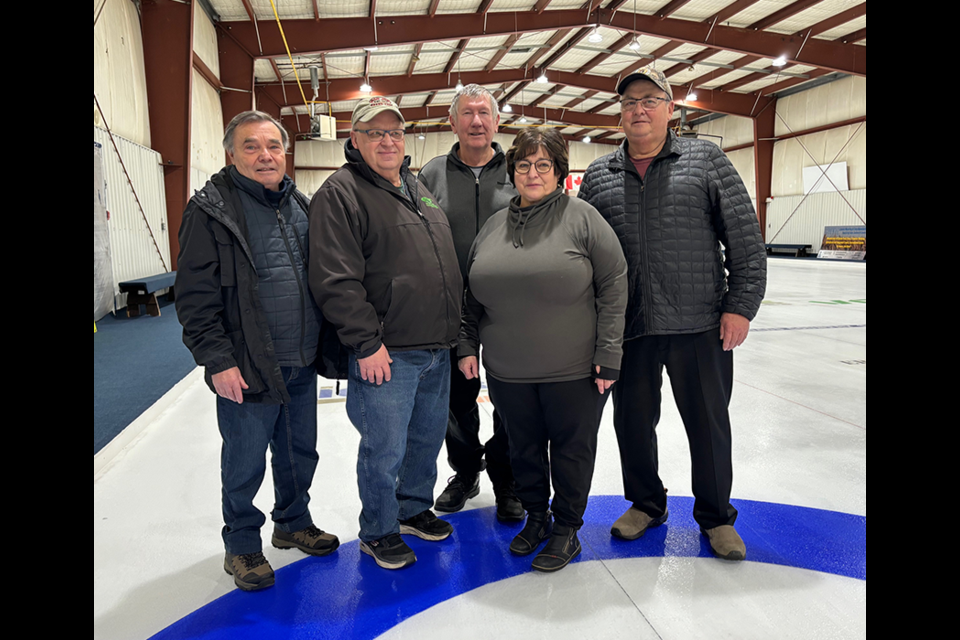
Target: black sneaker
390,552
509,508
427,526
459,489
250,571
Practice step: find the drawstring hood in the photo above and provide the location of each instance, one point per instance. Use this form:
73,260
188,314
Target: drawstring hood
521,217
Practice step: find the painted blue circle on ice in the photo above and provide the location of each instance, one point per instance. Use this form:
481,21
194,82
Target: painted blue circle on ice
347,595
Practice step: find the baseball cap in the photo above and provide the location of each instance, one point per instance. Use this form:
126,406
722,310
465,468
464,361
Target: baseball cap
647,73
369,108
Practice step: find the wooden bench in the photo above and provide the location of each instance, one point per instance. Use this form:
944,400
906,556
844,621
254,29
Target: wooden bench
798,250
144,291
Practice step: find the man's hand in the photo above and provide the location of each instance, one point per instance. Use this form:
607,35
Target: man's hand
603,385
733,330
230,384
469,367
376,368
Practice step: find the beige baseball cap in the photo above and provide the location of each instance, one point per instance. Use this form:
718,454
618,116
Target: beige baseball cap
647,73
369,108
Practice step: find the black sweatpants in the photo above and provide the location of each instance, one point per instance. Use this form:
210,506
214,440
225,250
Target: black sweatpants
464,450
552,428
701,375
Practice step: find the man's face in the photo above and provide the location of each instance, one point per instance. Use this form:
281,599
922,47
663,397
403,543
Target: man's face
258,153
640,123
385,156
474,123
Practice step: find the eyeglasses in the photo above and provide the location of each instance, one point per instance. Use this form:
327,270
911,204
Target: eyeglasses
647,103
543,166
377,134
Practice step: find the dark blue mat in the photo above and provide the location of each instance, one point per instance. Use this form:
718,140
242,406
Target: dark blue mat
135,362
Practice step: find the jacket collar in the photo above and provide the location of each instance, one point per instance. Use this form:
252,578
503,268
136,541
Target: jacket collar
618,160
257,190
454,155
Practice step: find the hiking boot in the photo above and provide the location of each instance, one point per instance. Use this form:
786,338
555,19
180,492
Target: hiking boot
563,547
250,571
509,508
634,523
390,552
538,528
459,489
725,542
310,540
426,526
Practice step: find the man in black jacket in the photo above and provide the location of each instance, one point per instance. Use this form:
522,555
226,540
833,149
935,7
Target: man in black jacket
249,320
673,202
471,184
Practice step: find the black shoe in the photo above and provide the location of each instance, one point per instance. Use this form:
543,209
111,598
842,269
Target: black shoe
459,489
538,528
390,552
427,526
563,547
509,508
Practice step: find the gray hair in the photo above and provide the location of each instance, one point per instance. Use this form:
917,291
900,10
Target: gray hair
251,116
473,91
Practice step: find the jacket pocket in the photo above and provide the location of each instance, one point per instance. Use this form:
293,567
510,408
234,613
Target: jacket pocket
251,374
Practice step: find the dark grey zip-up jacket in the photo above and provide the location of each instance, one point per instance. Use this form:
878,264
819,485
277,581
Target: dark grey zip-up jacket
467,200
670,225
382,263
546,293
218,301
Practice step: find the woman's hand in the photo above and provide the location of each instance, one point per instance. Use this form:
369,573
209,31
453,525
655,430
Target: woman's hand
602,385
470,367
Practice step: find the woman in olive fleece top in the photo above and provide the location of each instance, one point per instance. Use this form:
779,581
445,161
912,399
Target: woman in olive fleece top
546,294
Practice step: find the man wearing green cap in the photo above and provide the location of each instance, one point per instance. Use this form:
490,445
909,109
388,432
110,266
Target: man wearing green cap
384,271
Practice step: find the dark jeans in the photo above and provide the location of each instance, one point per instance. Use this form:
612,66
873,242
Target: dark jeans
553,436
290,431
701,376
464,450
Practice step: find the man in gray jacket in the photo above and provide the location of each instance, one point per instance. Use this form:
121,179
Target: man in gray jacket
471,184
249,320
673,202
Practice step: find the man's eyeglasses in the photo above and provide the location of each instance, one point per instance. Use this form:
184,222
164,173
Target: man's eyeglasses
647,103
543,166
377,134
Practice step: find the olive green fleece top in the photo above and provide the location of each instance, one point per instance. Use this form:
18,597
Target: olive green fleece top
546,293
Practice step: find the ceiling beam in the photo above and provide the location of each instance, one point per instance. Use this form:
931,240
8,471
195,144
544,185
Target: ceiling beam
787,12
835,21
504,50
570,118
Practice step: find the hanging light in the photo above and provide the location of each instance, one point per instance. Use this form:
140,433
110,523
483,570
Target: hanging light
635,45
691,97
371,48
507,108
523,120
459,86
421,137
595,36
586,139
781,61
543,78
365,87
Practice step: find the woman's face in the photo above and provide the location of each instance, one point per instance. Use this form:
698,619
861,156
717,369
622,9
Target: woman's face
534,186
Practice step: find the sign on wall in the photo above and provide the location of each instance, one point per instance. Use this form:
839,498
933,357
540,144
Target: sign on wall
845,243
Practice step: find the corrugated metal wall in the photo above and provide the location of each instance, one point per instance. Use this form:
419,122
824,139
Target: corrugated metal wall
790,222
131,249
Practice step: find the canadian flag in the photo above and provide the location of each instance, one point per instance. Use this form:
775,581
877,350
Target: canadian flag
572,183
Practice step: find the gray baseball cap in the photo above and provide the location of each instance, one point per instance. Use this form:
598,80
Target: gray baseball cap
647,73
369,108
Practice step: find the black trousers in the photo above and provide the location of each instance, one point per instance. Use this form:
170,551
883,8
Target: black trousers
701,375
464,450
553,435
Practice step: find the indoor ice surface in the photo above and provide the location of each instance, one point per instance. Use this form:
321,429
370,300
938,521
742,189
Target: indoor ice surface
799,444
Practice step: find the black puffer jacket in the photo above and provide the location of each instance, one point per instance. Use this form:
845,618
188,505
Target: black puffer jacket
670,226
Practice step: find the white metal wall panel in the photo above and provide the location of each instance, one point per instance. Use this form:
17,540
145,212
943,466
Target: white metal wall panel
206,127
733,129
205,41
843,144
828,103
799,220
119,79
132,252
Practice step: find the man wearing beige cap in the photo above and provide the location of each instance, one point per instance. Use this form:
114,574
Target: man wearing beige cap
673,202
383,269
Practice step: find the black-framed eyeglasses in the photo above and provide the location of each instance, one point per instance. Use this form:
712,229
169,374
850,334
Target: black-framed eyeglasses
647,103
377,134
543,166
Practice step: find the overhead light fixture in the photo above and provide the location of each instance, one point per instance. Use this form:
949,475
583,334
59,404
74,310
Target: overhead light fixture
543,78
523,120
421,137
780,62
635,45
691,97
507,108
459,86
595,36
365,87
371,48
586,139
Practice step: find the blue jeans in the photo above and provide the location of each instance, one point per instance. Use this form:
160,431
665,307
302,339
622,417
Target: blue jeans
401,425
290,431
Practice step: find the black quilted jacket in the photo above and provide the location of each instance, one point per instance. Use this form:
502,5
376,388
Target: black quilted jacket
671,226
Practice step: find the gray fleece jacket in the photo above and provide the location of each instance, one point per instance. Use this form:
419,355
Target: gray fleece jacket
546,293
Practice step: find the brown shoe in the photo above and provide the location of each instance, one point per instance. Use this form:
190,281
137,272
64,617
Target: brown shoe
725,542
250,571
310,540
634,523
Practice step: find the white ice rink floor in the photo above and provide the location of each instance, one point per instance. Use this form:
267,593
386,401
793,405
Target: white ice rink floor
799,445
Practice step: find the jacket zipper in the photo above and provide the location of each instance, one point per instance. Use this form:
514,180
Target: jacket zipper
296,274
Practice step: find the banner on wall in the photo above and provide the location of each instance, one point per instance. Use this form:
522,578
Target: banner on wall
844,243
